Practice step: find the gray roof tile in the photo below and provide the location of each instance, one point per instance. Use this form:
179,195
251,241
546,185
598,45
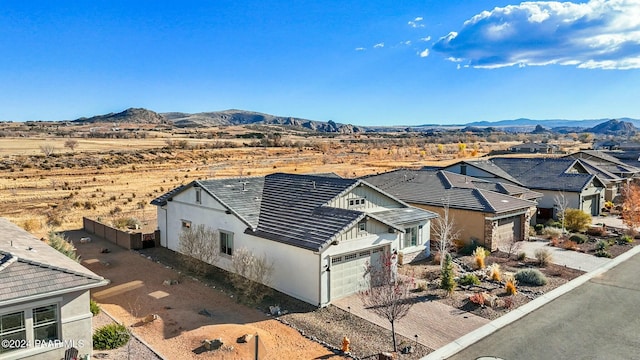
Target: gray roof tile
436,188
30,267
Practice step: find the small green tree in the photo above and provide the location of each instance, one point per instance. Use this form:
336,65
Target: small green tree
446,279
576,220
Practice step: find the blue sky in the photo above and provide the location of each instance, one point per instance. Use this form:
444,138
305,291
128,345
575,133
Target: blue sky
360,62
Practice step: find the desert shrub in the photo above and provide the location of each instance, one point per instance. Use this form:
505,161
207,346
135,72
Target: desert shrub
596,231
421,286
602,245
469,279
447,282
570,245
437,256
551,232
110,336
479,255
602,253
31,225
576,219
469,249
124,223
522,255
532,231
531,277
93,306
555,242
538,228
250,276
494,271
553,223
477,298
508,302
510,287
60,243
543,256
115,210
625,239
578,238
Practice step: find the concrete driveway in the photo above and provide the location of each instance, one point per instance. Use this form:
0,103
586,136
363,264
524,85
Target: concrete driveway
435,323
568,258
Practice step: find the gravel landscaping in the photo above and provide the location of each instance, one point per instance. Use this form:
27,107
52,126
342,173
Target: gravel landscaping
133,350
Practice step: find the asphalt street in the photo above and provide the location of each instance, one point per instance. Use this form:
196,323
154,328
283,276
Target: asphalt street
598,320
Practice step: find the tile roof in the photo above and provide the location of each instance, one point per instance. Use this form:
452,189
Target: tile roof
403,216
293,210
605,162
162,199
242,196
435,188
464,181
545,173
30,267
491,168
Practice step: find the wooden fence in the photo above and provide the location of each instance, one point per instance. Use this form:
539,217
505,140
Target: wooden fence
127,240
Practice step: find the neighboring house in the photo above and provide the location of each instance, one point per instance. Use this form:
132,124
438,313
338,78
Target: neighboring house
534,148
553,177
614,173
44,302
320,232
493,214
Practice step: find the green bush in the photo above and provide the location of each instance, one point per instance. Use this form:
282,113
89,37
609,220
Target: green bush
110,336
576,220
553,223
93,306
469,279
538,228
625,239
531,277
602,253
522,255
60,243
578,238
543,256
602,245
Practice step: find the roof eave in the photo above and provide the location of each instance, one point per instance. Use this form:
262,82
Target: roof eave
35,297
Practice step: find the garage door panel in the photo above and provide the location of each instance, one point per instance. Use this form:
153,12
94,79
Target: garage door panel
348,271
509,229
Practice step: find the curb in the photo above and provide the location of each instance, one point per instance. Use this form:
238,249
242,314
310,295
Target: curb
469,339
135,336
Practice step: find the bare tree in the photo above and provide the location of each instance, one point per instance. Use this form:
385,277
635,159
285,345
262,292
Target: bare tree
71,144
200,245
444,231
47,149
561,204
251,275
387,295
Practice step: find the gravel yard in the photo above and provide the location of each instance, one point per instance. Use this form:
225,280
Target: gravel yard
133,350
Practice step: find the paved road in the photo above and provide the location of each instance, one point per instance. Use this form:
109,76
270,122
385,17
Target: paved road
597,320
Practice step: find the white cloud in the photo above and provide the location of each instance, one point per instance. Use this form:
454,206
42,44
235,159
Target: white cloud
360,49
424,53
408,42
427,38
378,45
416,23
602,34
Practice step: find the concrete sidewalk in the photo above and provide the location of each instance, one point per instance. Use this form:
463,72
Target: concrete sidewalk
435,323
568,258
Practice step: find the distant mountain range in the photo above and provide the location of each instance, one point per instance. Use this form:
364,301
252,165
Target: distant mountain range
623,126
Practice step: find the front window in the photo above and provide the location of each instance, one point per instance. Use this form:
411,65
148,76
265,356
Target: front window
198,196
411,237
226,243
362,226
45,323
13,332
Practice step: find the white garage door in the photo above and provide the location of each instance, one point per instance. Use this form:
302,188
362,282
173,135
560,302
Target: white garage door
509,229
348,270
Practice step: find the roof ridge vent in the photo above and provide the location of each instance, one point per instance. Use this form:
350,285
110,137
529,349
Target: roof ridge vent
244,186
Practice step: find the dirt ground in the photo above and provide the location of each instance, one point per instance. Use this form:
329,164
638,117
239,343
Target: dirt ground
137,290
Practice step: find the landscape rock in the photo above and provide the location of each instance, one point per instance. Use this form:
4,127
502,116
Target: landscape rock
245,338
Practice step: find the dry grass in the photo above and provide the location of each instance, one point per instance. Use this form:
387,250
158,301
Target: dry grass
115,178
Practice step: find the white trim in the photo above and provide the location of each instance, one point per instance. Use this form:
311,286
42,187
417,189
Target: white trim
80,317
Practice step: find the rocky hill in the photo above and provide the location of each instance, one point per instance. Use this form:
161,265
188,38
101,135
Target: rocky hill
131,115
614,127
218,118
241,117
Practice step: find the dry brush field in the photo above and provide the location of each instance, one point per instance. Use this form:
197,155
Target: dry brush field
117,178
